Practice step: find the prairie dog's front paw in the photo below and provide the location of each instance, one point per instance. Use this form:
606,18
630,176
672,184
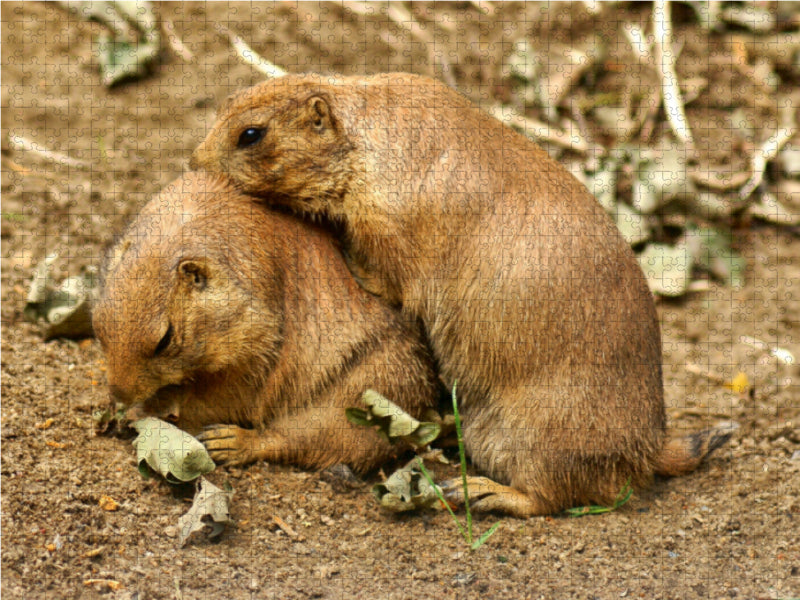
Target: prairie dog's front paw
230,444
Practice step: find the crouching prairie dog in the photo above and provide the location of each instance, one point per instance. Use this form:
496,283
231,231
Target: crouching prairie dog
217,311
530,298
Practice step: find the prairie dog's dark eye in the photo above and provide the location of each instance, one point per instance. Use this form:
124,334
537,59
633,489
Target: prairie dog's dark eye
164,342
250,137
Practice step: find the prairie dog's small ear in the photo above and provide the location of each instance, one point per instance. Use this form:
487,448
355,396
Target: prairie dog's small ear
319,113
194,272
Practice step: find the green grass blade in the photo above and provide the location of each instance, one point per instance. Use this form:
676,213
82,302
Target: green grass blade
479,542
463,459
439,495
622,498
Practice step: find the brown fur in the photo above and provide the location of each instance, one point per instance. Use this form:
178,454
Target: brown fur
269,331
531,299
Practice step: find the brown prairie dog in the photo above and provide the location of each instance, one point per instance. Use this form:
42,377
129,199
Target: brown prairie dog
215,310
530,298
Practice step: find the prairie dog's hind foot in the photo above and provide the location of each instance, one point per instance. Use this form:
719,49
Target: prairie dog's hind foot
486,495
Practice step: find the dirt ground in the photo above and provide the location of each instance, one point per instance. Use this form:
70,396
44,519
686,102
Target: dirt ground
730,530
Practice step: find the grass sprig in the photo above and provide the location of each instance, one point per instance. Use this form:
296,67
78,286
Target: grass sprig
466,532
593,509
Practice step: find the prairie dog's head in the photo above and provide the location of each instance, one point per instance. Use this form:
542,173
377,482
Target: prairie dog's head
282,137
183,292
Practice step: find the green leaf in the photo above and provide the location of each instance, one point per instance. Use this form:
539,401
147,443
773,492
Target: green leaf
173,453
667,268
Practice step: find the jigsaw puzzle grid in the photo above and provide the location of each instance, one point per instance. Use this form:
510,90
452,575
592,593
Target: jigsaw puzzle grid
703,159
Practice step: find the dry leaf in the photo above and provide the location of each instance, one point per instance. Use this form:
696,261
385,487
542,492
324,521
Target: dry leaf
393,422
211,506
173,453
406,489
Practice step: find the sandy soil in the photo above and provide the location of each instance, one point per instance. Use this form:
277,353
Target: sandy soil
730,530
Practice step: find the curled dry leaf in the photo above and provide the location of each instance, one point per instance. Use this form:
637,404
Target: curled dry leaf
768,150
406,489
393,422
132,42
63,310
523,62
551,71
661,177
211,506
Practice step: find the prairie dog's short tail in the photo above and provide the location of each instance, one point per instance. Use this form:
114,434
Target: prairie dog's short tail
683,455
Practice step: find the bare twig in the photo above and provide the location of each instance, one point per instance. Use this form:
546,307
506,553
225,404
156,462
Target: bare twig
638,42
665,58
542,131
20,143
781,354
175,42
250,56
405,20
718,182
284,526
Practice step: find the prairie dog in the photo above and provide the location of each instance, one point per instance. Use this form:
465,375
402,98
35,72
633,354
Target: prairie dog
530,297
217,311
